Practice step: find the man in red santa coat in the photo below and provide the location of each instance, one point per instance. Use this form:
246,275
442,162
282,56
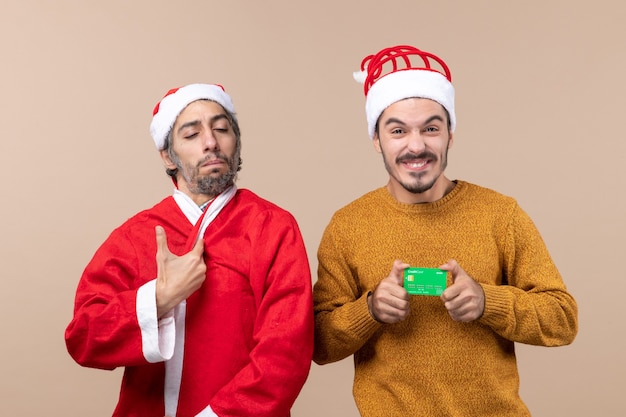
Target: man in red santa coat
205,298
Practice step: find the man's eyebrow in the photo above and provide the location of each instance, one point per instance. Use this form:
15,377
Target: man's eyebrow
193,123
427,121
188,124
219,117
433,118
394,120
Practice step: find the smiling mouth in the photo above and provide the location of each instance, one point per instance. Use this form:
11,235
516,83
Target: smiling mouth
415,164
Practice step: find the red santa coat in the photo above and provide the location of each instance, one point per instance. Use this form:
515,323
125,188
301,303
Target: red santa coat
244,339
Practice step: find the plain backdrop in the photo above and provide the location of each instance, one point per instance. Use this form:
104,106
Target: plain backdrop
540,105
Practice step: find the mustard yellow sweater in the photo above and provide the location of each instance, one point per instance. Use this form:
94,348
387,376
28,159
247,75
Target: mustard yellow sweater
430,365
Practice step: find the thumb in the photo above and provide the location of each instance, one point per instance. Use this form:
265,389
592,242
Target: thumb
161,241
453,267
198,248
397,271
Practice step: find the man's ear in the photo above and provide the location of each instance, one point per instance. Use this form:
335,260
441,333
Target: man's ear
451,139
376,142
165,156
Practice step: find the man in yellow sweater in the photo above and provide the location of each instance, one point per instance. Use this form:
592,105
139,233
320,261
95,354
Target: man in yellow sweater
448,351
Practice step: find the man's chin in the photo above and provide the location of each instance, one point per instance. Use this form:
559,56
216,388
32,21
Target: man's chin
419,188
213,184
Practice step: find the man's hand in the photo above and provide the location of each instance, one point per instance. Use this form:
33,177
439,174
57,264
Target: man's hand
389,303
177,276
465,298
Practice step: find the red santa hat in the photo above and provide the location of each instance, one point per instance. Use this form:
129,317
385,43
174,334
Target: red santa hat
405,79
174,102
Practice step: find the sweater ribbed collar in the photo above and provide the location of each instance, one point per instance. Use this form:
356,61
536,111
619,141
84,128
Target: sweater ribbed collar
460,188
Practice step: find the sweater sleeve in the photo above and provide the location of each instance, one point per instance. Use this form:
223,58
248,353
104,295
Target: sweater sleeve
280,358
534,306
343,323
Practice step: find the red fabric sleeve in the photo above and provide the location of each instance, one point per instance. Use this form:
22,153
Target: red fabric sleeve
104,332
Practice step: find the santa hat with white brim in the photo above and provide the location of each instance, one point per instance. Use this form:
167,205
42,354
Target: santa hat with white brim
405,80
174,102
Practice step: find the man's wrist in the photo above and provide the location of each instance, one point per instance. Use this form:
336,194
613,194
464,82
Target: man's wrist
369,306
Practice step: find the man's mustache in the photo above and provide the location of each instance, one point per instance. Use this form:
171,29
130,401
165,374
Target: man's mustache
411,156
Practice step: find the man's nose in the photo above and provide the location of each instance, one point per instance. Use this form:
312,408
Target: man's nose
416,142
209,141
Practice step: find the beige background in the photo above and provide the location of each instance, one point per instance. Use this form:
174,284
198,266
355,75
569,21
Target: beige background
540,106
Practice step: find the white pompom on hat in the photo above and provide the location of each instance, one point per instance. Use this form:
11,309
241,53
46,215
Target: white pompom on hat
404,80
174,102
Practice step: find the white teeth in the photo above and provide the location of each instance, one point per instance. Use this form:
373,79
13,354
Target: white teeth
417,164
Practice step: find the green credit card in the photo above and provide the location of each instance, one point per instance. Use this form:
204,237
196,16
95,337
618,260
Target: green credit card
425,281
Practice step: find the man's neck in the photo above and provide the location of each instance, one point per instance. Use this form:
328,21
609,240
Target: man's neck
436,192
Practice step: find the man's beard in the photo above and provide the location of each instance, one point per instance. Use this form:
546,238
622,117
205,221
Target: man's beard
419,186
206,184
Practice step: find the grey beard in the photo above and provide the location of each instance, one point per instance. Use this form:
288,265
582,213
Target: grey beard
209,185
206,184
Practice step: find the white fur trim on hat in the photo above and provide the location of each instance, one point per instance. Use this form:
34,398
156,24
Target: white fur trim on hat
170,106
404,84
